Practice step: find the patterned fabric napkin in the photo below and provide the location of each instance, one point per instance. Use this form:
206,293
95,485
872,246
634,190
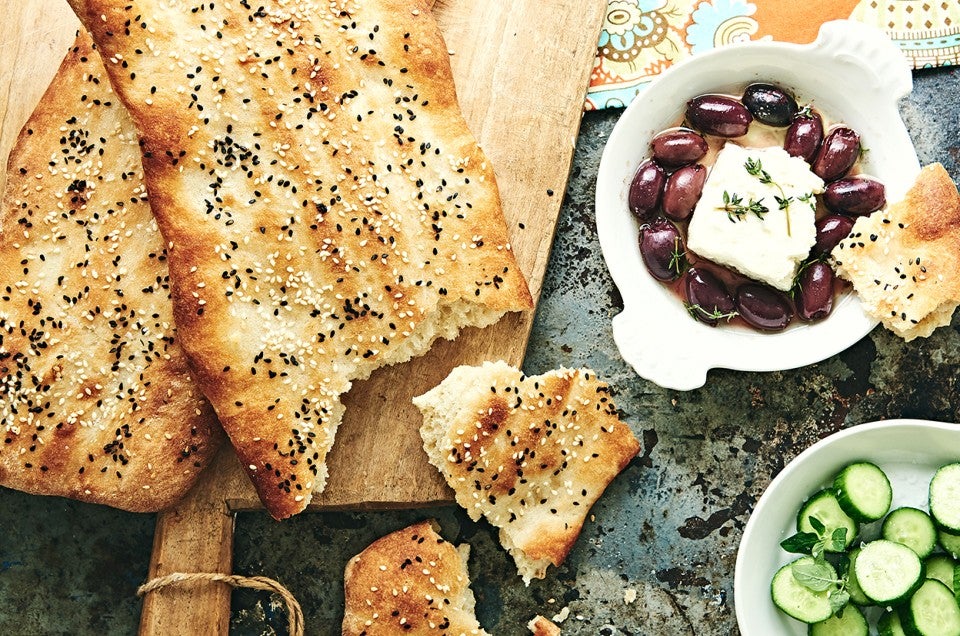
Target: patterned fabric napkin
642,38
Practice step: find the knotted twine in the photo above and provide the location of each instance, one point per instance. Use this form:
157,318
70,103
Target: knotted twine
294,613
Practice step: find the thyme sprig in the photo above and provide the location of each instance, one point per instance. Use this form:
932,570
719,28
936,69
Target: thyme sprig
755,169
698,312
678,258
736,210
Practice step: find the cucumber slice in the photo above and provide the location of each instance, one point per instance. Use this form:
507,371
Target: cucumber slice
889,625
932,611
824,507
853,586
942,568
888,572
945,497
850,622
796,600
911,527
863,491
950,543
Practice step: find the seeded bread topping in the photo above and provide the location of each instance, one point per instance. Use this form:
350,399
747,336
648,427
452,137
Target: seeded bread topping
904,261
327,212
531,454
410,582
98,403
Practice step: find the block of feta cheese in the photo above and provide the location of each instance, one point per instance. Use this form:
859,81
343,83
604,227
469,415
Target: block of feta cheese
757,213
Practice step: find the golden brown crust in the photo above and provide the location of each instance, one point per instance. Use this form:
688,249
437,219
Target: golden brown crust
904,261
531,454
97,400
328,210
409,582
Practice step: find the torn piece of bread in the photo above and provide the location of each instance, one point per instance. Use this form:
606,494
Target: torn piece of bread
409,582
97,399
531,454
541,626
327,210
904,260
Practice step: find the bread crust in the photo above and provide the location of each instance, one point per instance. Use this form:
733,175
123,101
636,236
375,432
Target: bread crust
98,402
904,260
326,209
409,582
531,454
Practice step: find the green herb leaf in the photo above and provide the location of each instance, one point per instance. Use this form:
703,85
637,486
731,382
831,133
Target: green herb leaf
800,543
817,525
838,600
817,576
736,210
696,311
678,258
838,540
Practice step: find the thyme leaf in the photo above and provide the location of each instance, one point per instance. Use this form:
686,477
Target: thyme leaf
736,210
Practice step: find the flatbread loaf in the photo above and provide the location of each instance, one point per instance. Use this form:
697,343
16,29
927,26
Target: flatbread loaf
409,582
326,209
97,401
904,261
531,454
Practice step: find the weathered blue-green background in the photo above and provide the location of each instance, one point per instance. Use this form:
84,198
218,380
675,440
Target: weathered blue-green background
668,527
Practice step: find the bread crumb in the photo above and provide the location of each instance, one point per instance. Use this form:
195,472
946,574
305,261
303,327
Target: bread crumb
561,616
629,595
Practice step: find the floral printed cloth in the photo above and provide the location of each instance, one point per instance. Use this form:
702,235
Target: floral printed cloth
642,38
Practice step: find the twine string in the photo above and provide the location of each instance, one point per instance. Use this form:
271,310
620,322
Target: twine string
295,624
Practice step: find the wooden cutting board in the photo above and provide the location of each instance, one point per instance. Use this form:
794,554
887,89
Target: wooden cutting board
522,68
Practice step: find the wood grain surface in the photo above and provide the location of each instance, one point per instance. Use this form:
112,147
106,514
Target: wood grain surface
522,68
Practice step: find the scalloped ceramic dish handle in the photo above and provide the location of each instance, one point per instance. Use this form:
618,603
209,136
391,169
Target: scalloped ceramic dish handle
853,74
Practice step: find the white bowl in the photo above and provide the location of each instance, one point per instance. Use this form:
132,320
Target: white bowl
852,73
908,451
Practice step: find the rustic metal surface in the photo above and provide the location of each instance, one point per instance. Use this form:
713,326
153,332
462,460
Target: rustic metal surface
668,528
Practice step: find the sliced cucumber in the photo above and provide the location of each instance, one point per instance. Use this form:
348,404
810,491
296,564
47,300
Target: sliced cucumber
888,572
945,498
825,508
913,528
932,611
863,491
853,586
942,568
796,600
850,622
889,624
950,543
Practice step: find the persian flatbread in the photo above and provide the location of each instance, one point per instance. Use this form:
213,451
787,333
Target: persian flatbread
97,399
326,209
531,454
409,582
904,260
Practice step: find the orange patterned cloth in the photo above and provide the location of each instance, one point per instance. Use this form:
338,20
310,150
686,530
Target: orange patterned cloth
641,38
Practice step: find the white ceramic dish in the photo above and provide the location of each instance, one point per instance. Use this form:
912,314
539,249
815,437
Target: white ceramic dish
853,74
908,451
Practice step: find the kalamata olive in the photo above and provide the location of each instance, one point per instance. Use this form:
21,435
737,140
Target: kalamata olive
855,195
683,190
831,229
815,293
678,147
719,115
645,190
837,154
763,307
769,104
707,298
661,248
804,136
